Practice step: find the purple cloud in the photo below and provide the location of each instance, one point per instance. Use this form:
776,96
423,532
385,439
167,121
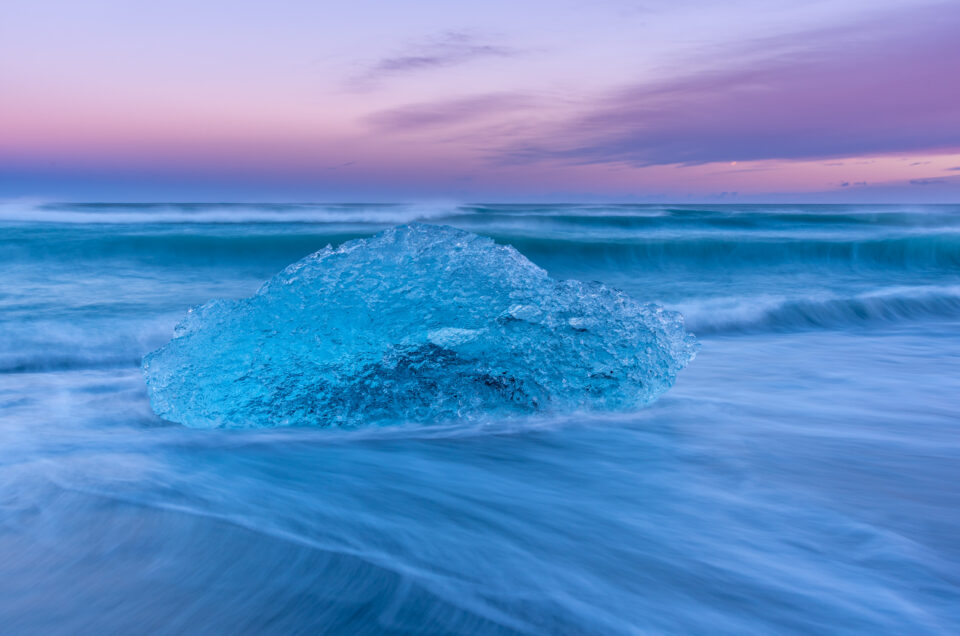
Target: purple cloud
448,49
870,89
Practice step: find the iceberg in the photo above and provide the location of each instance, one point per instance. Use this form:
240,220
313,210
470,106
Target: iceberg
419,323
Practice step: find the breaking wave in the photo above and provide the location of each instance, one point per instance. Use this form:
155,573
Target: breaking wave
883,307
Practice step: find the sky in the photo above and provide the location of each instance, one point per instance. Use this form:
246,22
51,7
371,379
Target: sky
505,100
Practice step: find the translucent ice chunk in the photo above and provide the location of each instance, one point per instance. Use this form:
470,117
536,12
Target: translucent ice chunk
418,323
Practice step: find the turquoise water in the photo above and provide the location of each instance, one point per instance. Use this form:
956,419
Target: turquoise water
801,477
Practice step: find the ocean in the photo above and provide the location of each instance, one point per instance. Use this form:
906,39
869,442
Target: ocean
802,476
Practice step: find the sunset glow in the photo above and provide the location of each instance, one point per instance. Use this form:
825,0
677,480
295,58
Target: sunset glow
604,101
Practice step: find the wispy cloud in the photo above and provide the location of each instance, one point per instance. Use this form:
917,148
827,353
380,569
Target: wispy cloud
868,89
450,48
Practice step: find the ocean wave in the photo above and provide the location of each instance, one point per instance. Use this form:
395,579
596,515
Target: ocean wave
941,250
639,249
615,214
51,361
49,346
772,313
31,211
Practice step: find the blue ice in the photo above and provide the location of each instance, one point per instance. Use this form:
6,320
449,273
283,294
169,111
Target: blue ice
418,323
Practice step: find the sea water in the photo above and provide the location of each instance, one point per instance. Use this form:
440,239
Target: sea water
800,477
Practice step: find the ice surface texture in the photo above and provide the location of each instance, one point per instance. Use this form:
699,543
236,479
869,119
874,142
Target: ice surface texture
418,323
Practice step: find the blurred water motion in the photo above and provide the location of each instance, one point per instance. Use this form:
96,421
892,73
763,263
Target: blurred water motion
800,477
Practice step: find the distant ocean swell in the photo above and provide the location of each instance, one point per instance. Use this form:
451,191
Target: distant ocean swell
747,251
153,244
626,215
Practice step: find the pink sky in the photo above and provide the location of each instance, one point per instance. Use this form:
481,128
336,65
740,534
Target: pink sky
673,101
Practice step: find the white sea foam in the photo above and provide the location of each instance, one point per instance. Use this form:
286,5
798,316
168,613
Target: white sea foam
38,211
